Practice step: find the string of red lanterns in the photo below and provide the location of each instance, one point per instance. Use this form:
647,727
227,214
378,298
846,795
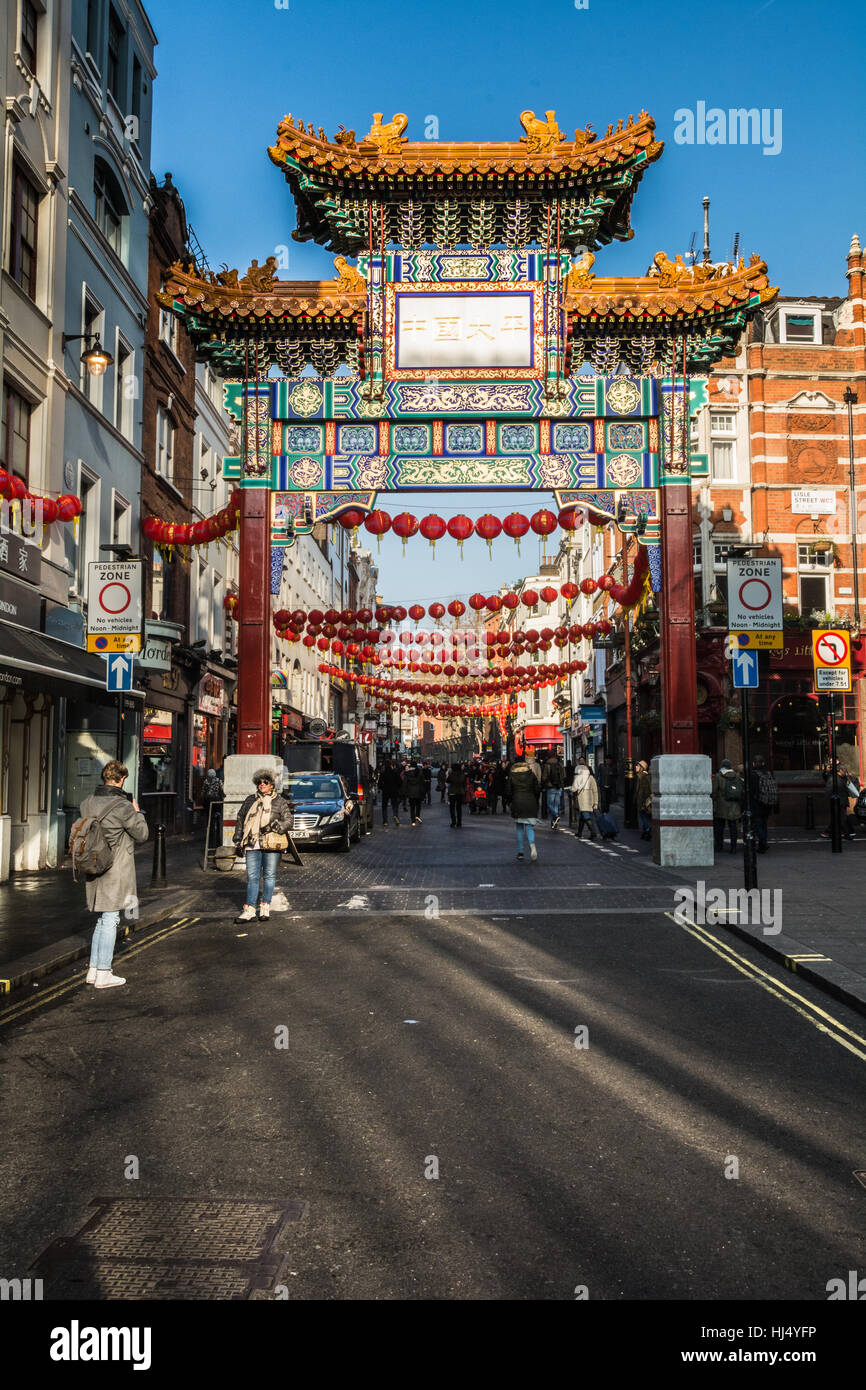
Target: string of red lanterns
66,507
211,528
543,523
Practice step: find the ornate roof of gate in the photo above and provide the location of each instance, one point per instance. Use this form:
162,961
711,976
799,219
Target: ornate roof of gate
670,290
498,192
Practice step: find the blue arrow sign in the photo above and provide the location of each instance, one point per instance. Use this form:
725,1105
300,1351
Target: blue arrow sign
118,672
745,670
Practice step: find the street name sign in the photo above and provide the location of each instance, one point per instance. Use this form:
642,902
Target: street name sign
745,670
831,656
118,672
755,641
755,595
114,605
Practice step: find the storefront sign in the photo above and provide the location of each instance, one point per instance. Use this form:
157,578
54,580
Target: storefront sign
593,714
19,558
211,695
18,604
813,501
64,623
155,655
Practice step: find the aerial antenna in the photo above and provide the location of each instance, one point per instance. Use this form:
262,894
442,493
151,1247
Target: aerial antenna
735,249
690,254
706,256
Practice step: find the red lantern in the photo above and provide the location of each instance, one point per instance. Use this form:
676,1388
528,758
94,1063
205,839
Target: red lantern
383,614
398,613
323,644
488,527
569,591
604,627
549,594
308,641
569,519
510,600
433,528
67,506
460,528
405,525
49,510
351,519
456,608
436,610
544,523
5,483
477,602
529,598
494,603
515,526
606,583
377,523
588,586
364,616
417,612
150,525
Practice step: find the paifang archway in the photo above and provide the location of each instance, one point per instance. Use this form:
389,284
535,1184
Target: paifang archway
454,354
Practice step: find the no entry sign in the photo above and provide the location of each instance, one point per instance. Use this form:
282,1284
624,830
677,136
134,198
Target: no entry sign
113,597
755,595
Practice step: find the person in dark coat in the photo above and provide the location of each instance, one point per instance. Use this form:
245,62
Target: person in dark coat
428,782
261,814
390,785
553,782
727,804
643,799
763,799
115,891
523,791
456,794
442,781
498,787
414,787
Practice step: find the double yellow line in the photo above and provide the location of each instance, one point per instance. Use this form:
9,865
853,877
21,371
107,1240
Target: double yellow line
824,1022
57,991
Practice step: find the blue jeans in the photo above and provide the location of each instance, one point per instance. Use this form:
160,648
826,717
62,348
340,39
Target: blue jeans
554,802
644,822
530,836
102,943
259,860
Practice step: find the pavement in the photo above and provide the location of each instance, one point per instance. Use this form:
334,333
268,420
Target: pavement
811,918
449,1074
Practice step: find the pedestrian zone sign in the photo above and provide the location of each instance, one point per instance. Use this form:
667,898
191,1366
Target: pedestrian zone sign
755,595
113,598
831,655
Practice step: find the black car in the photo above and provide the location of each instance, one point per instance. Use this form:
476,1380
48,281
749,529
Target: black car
347,760
323,811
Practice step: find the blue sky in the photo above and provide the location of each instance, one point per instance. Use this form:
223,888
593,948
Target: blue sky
229,72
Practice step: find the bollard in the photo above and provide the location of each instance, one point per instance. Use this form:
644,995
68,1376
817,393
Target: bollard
157,877
810,811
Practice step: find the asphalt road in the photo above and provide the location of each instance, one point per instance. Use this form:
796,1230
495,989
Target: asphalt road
431,987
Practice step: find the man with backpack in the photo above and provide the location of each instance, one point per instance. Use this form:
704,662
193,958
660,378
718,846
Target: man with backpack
102,845
764,798
728,796
553,782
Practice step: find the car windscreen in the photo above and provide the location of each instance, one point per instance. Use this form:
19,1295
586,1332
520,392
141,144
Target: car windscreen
314,788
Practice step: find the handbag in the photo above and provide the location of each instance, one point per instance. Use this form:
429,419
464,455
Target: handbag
274,840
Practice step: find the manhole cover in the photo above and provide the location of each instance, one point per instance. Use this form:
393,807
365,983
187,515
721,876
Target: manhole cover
162,1249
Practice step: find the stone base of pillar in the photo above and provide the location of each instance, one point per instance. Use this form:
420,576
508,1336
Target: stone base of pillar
238,770
5,846
682,811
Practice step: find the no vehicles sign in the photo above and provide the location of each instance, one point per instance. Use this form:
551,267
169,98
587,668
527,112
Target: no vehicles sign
755,595
113,597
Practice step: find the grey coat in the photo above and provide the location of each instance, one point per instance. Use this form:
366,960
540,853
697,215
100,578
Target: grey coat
123,828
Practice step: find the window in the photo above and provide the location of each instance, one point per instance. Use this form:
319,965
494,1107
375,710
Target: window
723,457
136,97
29,25
167,325
93,28
22,241
120,521
536,702
160,587
124,387
91,327
109,206
164,444
799,326
810,557
88,528
114,73
15,440
813,594
696,552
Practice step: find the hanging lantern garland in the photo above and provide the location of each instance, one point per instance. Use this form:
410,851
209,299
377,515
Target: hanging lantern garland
64,508
212,528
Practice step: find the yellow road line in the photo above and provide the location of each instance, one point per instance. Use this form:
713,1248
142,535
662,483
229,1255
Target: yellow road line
57,991
804,1007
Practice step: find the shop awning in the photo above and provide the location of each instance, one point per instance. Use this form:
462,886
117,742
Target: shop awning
541,733
34,662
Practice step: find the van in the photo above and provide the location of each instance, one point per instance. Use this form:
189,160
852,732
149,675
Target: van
350,761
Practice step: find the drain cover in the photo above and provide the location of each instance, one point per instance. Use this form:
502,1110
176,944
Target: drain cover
170,1249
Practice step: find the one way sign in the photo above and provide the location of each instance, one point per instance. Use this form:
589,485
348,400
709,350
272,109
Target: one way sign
745,670
118,673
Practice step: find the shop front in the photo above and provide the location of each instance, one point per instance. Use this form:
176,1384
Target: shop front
163,784
210,722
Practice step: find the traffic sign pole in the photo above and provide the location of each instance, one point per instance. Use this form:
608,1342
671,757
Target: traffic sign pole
750,853
835,802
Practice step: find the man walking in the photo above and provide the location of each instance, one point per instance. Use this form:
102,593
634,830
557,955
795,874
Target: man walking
390,783
553,780
114,891
585,789
413,789
456,794
428,782
764,798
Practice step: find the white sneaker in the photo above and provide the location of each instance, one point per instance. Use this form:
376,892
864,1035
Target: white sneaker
264,911
533,852
105,980
248,914
91,976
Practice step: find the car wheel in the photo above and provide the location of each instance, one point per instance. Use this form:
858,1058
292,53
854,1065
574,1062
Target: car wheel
345,843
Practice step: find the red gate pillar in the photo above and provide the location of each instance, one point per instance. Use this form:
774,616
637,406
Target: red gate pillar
679,684
254,636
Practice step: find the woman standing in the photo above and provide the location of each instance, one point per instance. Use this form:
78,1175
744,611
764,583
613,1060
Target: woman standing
115,891
585,791
262,830
643,799
523,789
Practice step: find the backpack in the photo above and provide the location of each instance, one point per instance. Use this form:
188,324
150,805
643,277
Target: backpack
733,788
89,850
768,792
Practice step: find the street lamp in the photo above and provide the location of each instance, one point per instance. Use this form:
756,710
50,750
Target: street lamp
96,359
